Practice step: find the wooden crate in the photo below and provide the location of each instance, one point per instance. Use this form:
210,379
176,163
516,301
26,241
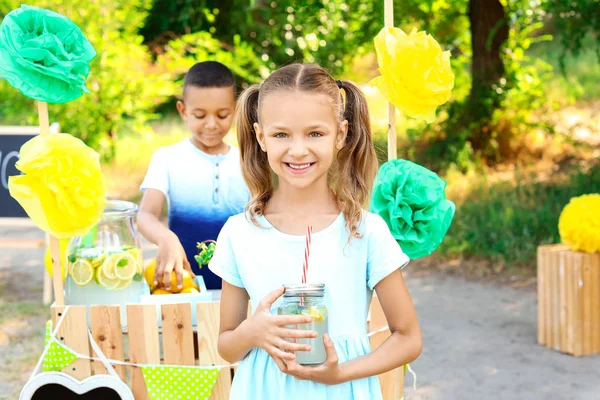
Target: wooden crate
568,300
176,344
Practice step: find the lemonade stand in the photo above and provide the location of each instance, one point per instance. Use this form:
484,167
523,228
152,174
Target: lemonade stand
102,334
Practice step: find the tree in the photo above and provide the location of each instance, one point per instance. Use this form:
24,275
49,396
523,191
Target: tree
327,32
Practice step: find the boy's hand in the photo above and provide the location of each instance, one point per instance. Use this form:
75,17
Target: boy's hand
170,257
269,331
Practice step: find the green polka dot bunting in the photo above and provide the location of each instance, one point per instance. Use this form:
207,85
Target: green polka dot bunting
179,383
56,357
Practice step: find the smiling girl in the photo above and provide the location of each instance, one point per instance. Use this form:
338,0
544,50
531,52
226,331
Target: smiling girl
308,159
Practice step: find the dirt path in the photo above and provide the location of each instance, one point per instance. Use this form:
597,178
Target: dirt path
480,343
479,338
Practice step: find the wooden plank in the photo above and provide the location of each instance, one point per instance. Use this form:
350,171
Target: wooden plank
587,292
207,321
578,304
108,334
59,294
541,293
178,336
570,290
595,262
548,296
144,347
562,302
74,334
388,15
391,382
47,291
555,290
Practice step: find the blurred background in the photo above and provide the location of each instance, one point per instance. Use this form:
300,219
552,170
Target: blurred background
518,139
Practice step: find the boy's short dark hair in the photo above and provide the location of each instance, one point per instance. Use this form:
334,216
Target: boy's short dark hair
209,74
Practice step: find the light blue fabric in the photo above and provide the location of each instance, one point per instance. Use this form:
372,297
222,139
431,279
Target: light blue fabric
202,191
260,259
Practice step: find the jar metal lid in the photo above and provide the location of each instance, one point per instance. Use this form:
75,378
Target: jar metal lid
304,289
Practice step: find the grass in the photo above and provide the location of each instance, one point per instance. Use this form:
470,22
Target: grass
505,221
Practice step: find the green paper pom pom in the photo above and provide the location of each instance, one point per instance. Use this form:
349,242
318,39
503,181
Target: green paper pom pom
411,200
44,55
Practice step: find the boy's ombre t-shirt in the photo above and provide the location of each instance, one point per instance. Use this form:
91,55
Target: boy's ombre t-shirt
202,192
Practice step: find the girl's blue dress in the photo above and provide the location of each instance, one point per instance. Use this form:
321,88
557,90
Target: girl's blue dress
261,259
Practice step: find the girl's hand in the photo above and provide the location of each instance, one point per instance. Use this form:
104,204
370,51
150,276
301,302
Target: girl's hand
269,331
170,256
328,373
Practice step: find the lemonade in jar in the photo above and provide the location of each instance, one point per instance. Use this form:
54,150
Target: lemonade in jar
106,265
307,299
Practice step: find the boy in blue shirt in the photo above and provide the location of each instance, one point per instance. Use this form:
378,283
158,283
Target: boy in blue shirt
200,177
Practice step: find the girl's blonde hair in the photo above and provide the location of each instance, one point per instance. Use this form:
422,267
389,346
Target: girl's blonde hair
353,172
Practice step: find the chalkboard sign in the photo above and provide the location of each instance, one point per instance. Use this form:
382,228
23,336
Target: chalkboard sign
11,140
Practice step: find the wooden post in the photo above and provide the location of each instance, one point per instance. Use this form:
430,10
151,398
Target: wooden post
59,296
47,293
392,146
397,375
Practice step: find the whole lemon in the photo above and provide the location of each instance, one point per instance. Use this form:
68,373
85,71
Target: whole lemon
190,290
149,272
63,243
161,291
188,281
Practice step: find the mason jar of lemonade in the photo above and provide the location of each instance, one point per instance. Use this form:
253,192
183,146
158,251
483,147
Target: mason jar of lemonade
106,264
307,299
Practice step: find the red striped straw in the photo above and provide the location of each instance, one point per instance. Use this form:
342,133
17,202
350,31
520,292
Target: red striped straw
306,253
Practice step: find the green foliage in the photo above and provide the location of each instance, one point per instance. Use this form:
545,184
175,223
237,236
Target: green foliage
505,222
126,83
124,88
573,21
182,53
327,32
582,72
512,103
205,253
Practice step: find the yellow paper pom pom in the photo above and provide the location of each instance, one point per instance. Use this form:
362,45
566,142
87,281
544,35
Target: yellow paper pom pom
416,75
63,189
579,223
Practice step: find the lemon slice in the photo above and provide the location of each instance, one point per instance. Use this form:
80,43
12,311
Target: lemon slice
82,272
109,266
136,253
314,313
125,266
123,284
98,261
105,281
